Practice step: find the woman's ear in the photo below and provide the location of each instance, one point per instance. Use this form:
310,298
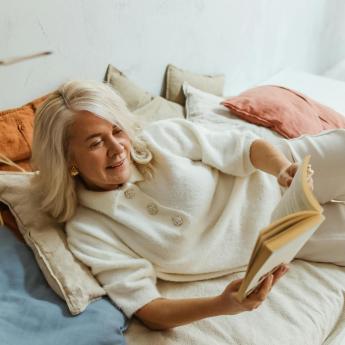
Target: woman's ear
70,159
72,165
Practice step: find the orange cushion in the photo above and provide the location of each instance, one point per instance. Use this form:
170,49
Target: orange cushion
9,220
16,127
283,110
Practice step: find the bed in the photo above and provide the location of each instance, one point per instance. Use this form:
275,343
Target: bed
306,307
311,310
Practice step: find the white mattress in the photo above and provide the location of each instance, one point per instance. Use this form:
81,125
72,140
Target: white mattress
305,308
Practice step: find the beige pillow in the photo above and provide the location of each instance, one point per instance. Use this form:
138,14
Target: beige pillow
159,109
140,102
134,96
175,78
67,276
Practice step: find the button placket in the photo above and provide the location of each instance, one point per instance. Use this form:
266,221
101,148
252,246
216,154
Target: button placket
152,208
177,220
130,193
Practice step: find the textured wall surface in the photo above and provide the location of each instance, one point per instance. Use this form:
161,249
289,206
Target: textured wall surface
247,40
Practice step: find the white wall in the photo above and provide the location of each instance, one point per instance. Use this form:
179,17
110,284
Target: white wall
333,33
248,40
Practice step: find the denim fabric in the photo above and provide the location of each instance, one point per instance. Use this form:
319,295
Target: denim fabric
32,314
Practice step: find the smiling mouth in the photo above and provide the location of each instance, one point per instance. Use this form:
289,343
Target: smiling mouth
117,165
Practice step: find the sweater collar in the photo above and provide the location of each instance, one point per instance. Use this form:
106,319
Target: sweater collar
136,175
101,200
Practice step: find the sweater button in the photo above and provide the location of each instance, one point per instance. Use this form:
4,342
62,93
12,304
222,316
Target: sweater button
177,220
152,208
130,193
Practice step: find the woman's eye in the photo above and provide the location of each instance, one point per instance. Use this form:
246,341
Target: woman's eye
117,130
95,144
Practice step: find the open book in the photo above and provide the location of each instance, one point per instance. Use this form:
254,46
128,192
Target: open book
294,220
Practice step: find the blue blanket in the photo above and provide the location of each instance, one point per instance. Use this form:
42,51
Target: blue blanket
32,314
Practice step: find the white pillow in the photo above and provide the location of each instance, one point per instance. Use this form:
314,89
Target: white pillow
205,108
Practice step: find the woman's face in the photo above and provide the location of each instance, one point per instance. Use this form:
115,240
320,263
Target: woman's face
100,151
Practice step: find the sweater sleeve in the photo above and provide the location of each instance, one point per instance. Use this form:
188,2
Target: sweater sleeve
227,150
129,280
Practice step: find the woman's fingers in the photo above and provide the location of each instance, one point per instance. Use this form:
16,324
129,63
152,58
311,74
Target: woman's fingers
310,170
285,176
229,297
310,173
260,293
265,288
292,169
279,273
284,179
255,299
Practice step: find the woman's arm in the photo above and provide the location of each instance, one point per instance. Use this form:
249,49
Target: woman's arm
266,157
161,314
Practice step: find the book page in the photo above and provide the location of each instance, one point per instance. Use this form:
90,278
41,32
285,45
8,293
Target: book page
298,197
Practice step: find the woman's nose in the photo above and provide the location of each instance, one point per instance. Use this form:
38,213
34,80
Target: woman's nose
115,148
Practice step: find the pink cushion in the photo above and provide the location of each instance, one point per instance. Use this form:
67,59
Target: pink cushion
283,110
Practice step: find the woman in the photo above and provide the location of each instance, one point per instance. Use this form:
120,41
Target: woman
174,200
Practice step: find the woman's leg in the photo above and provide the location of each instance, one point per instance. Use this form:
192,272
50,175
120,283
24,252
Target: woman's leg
327,151
328,242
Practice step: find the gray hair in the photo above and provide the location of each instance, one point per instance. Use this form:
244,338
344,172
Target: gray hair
54,185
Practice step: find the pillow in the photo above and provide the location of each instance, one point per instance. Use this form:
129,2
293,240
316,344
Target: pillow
31,313
327,91
134,96
68,277
140,102
7,218
16,126
286,111
159,109
175,78
207,109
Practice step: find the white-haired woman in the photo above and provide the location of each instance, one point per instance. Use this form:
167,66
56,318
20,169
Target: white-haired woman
173,200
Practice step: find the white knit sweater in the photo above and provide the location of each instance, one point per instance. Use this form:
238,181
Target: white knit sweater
197,218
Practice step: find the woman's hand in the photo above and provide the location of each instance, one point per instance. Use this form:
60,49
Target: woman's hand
287,174
231,304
